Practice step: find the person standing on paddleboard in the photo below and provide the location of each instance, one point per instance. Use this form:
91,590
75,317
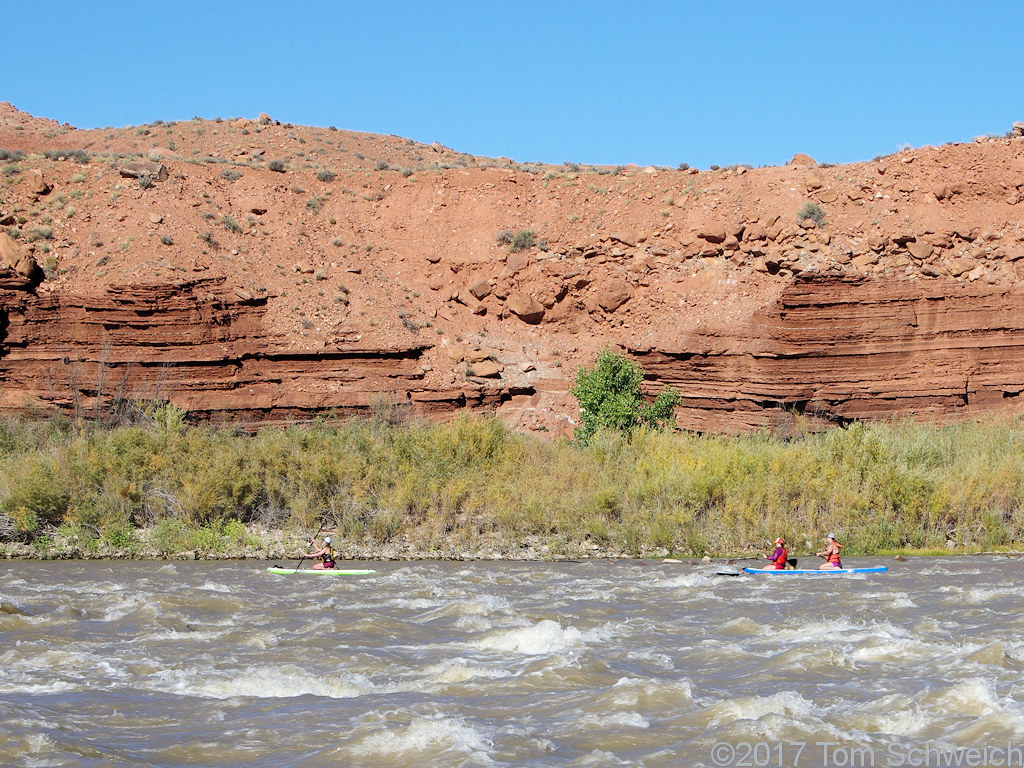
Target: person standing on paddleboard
778,557
831,554
325,552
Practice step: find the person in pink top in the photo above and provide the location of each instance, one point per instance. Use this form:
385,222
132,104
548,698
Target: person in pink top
779,556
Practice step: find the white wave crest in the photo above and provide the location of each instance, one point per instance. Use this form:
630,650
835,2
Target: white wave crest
425,734
460,670
544,637
688,580
266,682
787,703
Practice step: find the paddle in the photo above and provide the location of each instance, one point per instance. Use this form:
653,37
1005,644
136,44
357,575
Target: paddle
318,531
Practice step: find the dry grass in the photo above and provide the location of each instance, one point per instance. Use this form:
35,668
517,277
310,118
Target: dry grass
880,487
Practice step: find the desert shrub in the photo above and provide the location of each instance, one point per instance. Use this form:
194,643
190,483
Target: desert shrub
325,175
36,490
811,211
522,240
25,521
230,224
232,174
207,539
385,525
78,155
504,237
145,181
14,155
120,537
276,165
169,535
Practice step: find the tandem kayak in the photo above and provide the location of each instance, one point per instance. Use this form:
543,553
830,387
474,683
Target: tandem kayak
319,571
827,572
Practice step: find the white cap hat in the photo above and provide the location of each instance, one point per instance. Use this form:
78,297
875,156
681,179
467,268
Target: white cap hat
327,539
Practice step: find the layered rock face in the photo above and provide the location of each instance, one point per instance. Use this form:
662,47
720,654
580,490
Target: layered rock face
205,349
266,281
835,348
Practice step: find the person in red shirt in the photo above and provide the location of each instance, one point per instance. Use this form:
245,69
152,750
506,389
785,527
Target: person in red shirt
778,557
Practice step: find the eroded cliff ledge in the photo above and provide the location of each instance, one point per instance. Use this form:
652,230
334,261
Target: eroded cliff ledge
233,270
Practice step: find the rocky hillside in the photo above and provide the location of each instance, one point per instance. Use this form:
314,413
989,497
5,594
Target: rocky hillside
250,270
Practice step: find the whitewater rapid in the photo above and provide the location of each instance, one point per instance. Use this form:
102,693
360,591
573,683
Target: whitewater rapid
508,664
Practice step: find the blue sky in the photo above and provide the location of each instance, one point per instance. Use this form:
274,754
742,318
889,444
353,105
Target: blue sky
588,82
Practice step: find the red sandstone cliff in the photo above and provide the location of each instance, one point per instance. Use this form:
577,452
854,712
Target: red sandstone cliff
252,270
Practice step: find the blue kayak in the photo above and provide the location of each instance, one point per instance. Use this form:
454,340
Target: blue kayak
827,572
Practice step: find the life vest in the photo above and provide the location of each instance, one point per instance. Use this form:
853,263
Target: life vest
834,556
328,556
780,560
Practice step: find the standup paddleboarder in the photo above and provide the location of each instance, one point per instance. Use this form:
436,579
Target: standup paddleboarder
325,552
778,557
831,554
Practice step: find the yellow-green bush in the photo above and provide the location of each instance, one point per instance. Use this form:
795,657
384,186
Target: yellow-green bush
880,486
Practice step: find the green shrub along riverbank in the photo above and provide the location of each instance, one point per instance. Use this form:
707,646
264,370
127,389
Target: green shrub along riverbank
161,487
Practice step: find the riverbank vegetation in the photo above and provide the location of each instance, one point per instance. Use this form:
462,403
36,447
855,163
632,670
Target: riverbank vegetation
160,487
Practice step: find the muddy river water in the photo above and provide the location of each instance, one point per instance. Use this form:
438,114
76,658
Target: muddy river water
601,663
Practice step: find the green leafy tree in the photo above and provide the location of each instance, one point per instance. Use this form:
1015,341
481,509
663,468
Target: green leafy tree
609,396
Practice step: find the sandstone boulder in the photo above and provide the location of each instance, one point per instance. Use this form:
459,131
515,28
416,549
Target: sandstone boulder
1018,129
455,353
877,241
959,266
920,249
614,295
17,257
486,369
713,234
776,229
756,231
812,181
155,171
801,159
977,273
516,262
525,307
480,289
36,183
